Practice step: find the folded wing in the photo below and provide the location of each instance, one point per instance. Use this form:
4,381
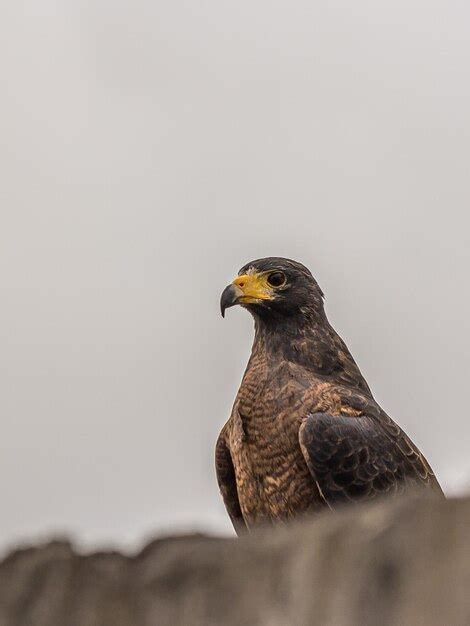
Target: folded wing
363,457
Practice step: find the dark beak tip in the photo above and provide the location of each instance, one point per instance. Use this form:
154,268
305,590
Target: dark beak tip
228,298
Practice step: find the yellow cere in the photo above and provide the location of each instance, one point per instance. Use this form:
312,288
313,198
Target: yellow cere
254,287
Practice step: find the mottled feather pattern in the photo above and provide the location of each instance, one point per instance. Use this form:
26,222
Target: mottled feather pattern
226,481
305,433
354,458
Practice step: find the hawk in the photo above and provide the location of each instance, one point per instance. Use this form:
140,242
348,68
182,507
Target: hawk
305,432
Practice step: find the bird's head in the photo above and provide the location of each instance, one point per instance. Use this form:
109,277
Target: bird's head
274,288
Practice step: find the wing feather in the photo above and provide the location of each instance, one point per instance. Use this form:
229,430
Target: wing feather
355,457
227,483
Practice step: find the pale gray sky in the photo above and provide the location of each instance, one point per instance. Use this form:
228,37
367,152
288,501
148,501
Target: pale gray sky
148,150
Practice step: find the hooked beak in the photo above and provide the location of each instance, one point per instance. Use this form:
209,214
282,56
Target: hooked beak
246,289
230,297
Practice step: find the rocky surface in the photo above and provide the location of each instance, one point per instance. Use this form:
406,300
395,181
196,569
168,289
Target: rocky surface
391,564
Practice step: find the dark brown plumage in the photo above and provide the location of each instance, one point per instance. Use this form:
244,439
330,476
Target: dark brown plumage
305,432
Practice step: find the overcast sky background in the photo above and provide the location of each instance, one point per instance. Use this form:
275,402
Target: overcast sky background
148,150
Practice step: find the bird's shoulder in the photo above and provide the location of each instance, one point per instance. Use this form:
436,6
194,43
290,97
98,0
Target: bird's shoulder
339,399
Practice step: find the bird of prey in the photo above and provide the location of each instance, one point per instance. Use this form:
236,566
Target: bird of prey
305,432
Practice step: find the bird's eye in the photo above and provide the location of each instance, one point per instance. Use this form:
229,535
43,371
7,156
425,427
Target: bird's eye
276,279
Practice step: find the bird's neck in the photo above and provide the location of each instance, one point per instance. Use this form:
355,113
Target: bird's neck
291,337
309,341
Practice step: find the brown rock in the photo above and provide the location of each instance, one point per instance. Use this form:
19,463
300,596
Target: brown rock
391,564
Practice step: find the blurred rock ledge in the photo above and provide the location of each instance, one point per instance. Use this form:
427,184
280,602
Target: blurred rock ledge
390,564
